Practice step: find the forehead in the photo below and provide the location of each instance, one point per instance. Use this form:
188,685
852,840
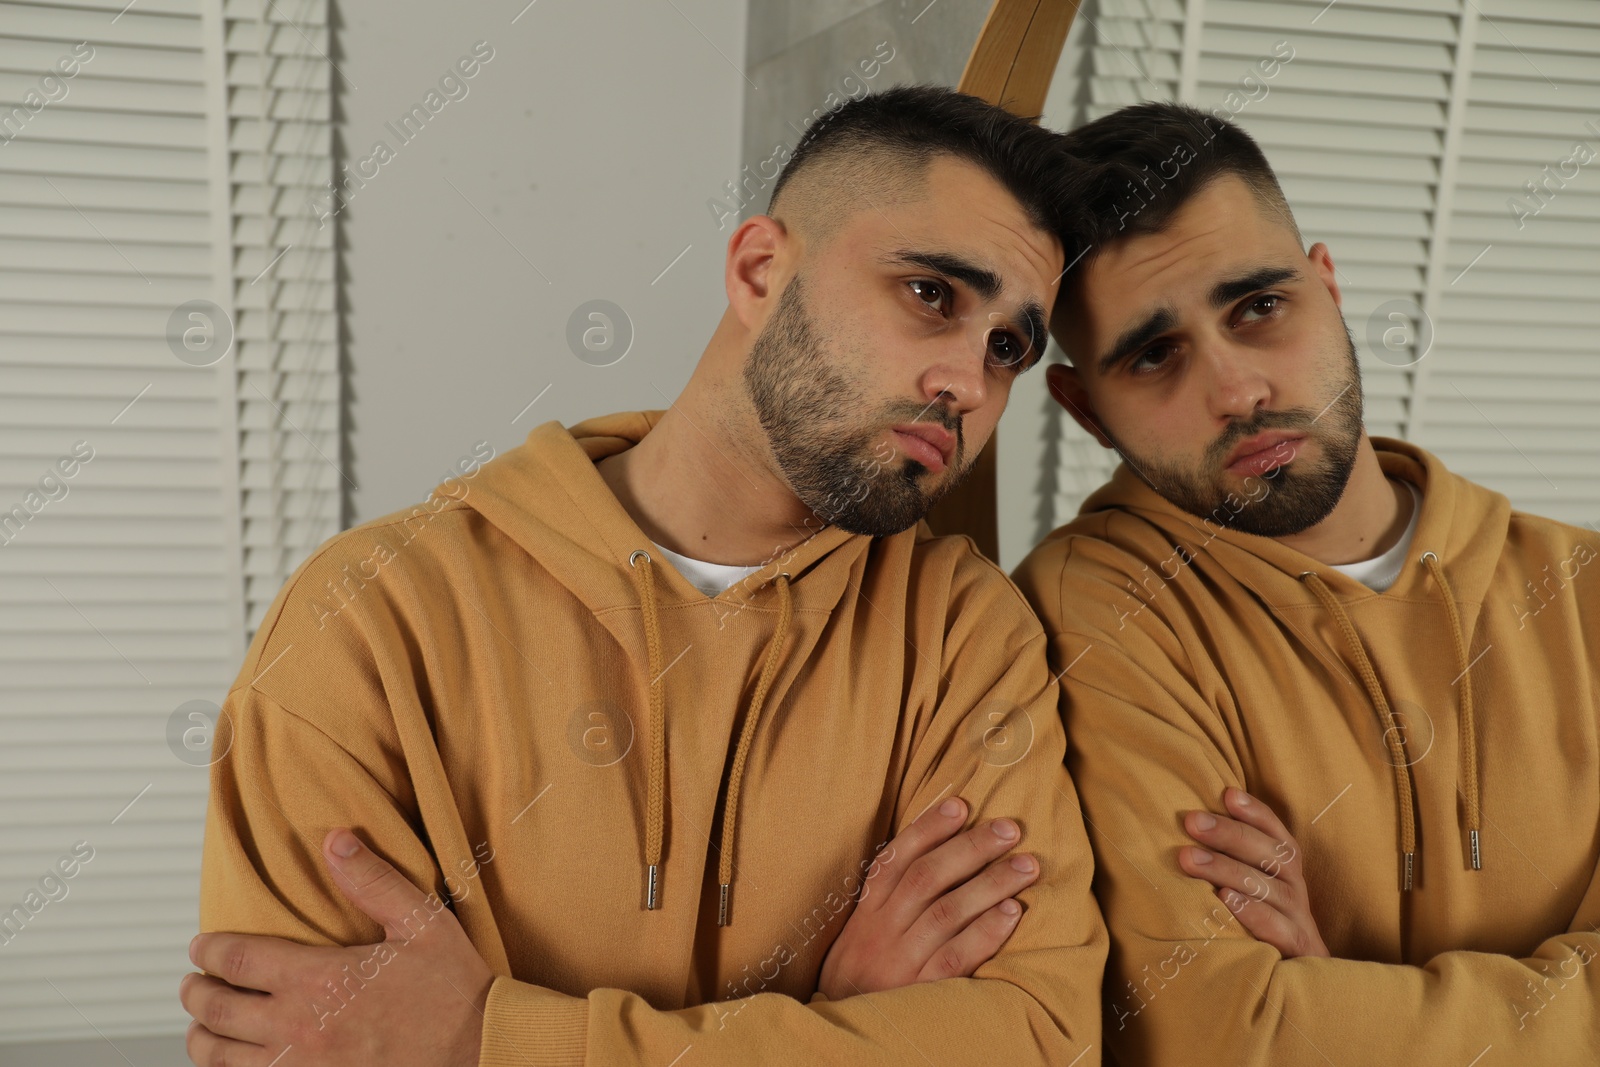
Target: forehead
962,210
1222,232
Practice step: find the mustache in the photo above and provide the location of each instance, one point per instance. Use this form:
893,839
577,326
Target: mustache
909,413
1298,419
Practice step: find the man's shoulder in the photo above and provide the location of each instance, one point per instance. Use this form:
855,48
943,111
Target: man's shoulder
401,548
1546,530
1114,581
415,528
1094,556
971,581
449,516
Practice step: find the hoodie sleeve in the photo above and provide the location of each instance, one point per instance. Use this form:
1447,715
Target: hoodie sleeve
994,737
262,870
1189,985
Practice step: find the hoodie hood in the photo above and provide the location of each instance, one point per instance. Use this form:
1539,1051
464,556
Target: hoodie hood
1464,524
1459,539
548,497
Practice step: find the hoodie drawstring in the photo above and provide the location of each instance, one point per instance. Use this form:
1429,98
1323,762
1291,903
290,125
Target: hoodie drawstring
1397,754
1465,712
655,812
655,808
730,806
1467,722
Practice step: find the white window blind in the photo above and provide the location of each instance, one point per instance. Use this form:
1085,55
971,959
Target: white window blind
1512,397
1399,131
169,167
280,146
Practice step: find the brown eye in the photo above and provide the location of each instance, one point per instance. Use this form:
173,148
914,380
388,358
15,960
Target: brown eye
1006,349
1150,360
1261,307
937,290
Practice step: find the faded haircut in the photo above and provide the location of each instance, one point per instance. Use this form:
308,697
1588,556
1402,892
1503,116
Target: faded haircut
874,151
1145,162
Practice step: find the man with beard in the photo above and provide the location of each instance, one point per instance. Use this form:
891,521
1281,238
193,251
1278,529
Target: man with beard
1331,710
648,696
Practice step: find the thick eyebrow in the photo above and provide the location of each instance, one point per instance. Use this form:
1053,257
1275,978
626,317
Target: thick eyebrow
981,280
1227,291
1163,319
1137,336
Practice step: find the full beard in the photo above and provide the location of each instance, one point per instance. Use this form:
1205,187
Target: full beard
811,413
1303,491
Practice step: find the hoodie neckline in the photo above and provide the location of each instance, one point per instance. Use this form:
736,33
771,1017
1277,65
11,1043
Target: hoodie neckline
512,492
1460,521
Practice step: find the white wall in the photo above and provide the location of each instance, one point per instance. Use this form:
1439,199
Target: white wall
590,142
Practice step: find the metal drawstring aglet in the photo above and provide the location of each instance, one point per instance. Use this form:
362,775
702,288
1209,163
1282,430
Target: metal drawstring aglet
1477,859
650,889
722,907
1410,860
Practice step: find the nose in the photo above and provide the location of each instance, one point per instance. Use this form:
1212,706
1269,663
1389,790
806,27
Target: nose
1236,384
958,377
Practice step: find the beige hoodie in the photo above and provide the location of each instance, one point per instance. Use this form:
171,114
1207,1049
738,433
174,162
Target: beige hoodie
524,713
1462,704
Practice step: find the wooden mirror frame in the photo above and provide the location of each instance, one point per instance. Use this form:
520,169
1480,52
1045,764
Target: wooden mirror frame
1011,65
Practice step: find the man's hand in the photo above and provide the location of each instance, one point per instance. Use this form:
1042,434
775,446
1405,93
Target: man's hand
413,1000
933,906
1255,864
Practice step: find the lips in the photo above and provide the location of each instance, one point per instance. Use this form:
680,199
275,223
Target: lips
926,443
1263,452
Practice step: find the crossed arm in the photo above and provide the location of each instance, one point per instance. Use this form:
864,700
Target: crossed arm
938,905
1191,986
286,779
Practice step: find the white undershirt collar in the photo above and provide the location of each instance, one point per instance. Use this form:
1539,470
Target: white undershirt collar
710,578
1380,572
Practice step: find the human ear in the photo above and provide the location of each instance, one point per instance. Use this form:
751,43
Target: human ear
1067,388
754,250
1322,263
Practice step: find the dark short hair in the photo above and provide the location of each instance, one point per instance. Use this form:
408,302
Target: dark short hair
1147,161
906,126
